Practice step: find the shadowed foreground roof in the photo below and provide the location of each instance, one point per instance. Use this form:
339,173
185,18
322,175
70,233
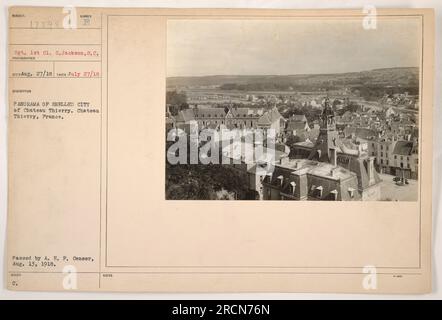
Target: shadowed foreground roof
403,148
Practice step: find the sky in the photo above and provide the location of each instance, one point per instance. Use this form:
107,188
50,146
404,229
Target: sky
282,47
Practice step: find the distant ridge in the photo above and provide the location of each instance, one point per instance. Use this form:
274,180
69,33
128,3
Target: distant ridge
396,76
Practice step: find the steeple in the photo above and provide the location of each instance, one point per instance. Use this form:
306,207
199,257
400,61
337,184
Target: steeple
328,116
328,136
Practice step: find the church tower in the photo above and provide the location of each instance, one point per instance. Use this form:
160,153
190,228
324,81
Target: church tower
328,136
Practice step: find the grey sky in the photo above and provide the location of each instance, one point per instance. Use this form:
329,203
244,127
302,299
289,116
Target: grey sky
249,47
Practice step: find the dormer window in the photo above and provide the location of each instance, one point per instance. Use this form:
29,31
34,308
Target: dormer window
319,191
281,180
292,187
351,192
334,194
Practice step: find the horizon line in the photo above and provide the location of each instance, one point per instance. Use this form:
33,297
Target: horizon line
288,74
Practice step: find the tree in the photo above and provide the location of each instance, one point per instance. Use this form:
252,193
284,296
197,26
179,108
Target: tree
176,98
177,101
292,139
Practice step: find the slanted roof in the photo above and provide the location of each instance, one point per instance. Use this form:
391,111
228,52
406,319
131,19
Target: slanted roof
295,125
210,113
363,133
213,126
403,148
359,166
305,144
246,112
185,115
269,117
274,114
243,150
264,119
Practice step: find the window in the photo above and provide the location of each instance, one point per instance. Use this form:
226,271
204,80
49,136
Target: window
281,180
319,191
387,162
408,165
292,187
395,156
351,192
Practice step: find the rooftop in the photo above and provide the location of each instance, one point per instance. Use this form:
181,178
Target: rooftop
404,148
321,169
246,151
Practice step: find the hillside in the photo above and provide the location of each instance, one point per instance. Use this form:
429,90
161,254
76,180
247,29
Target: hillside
387,77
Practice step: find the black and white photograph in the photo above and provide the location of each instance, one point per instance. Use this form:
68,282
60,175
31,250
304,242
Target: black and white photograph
293,109
151,151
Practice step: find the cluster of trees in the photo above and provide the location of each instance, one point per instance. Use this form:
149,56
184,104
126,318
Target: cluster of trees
205,182
177,101
310,113
375,92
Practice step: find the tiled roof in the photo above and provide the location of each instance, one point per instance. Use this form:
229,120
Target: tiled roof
246,112
274,114
403,148
295,125
357,166
362,133
265,119
243,150
185,115
210,113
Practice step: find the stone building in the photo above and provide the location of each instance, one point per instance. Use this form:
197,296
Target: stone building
232,118
330,148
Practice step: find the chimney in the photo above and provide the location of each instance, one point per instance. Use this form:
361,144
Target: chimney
300,179
281,180
370,170
333,156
